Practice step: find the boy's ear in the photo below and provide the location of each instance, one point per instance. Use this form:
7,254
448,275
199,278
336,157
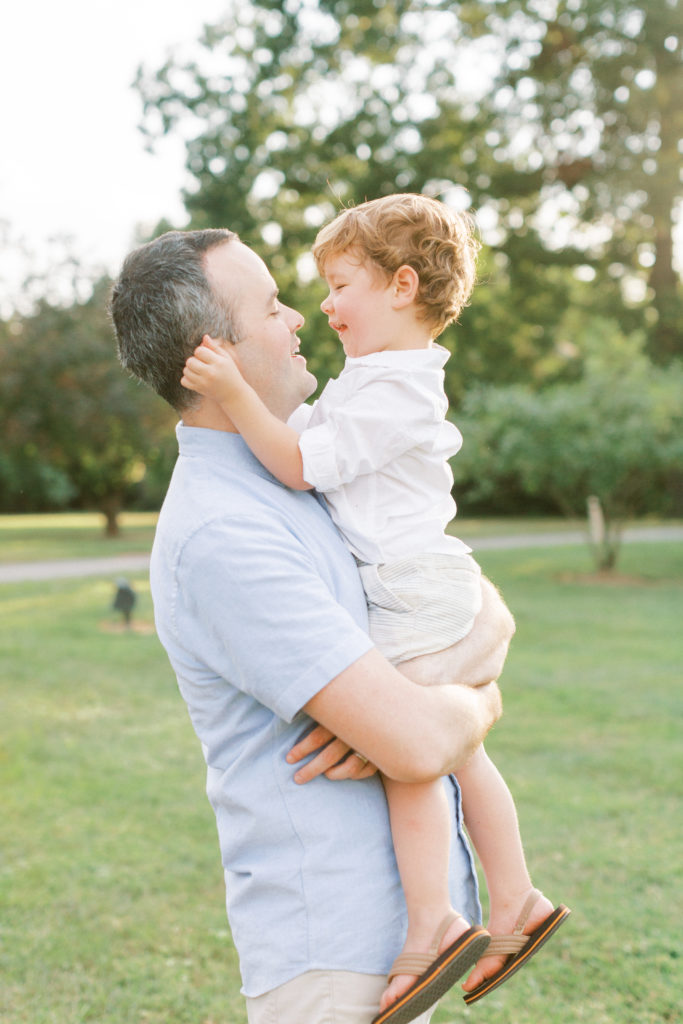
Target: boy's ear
405,284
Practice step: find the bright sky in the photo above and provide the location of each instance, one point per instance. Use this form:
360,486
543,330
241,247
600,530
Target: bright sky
72,161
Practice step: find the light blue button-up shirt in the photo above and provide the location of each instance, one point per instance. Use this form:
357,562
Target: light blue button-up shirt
259,605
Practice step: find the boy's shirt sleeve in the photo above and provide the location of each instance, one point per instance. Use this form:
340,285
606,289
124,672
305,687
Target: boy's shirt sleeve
300,417
373,426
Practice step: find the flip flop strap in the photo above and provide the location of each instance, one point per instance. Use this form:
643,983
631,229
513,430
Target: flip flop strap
448,920
506,945
510,945
418,963
411,963
531,901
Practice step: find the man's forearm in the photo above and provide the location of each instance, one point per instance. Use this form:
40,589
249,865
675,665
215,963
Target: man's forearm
412,733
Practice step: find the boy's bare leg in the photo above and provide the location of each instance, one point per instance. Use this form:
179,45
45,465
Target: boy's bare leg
420,821
421,832
490,814
492,825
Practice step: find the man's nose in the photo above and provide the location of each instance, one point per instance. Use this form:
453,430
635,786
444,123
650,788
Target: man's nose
296,319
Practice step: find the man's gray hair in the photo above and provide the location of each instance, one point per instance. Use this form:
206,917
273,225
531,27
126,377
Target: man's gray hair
163,304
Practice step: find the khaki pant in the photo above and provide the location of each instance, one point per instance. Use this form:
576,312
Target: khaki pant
323,997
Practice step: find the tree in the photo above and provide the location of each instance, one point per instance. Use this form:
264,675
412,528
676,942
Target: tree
292,110
585,110
615,435
558,117
75,430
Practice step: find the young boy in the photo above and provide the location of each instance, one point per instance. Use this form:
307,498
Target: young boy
376,444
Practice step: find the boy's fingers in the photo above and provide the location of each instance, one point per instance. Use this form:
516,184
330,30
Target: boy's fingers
203,355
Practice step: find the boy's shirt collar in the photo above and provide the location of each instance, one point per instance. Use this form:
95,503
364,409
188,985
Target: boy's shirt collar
434,357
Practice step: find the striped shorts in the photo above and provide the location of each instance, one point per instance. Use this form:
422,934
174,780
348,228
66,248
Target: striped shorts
421,604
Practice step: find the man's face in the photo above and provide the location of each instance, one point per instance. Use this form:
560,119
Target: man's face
267,352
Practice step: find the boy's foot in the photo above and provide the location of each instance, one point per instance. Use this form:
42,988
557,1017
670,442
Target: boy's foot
420,976
517,935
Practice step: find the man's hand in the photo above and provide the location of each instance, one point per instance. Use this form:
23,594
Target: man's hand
478,658
412,733
334,758
212,372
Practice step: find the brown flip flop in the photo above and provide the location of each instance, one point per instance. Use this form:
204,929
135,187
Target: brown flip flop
437,972
517,947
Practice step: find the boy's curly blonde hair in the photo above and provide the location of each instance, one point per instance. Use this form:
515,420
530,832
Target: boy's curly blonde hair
435,240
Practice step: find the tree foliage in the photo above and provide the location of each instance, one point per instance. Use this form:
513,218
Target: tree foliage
76,431
615,434
555,119
292,110
586,116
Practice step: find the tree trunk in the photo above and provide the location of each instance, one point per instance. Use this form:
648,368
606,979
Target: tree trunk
111,507
667,336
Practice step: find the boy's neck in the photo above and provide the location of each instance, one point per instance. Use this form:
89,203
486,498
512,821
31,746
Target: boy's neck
411,334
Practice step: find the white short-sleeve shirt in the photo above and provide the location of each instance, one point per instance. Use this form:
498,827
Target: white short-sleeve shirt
377,444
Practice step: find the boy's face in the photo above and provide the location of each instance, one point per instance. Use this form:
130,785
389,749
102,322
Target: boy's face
359,306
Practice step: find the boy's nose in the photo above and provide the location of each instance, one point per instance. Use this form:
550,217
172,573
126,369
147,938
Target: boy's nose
326,305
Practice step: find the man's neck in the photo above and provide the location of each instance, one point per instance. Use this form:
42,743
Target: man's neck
210,416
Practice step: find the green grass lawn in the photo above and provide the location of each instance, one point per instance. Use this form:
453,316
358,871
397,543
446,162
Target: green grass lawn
31,538
111,892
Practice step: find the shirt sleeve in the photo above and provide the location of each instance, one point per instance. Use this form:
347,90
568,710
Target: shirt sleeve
261,616
377,423
300,417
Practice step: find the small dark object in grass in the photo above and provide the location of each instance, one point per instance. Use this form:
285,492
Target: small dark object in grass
124,600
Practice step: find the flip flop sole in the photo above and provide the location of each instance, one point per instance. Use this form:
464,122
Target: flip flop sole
536,940
450,965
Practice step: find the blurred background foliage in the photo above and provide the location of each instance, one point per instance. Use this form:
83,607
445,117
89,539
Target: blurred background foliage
557,122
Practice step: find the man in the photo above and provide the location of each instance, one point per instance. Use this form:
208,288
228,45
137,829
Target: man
260,609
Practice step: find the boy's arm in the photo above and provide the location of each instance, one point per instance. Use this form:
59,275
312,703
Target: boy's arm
212,372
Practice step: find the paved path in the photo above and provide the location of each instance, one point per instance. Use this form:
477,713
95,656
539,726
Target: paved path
63,568
571,537
118,564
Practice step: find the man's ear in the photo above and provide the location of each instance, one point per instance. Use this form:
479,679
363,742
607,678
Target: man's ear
405,284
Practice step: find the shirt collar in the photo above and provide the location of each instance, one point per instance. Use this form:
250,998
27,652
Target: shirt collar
429,358
220,446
